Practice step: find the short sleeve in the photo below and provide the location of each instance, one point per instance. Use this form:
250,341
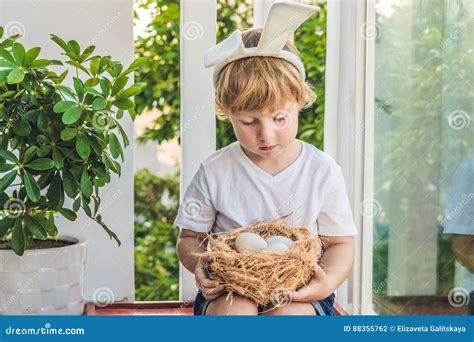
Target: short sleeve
459,218
335,217
196,211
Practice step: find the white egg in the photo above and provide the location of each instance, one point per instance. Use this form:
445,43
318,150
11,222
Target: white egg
250,242
277,247
280,239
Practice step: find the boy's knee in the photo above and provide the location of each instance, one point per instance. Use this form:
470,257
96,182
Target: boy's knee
237,306
304,309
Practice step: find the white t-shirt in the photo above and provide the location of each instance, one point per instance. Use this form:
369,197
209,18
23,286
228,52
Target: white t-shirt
230,191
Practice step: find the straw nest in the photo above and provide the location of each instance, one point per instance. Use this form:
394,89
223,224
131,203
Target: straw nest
264,277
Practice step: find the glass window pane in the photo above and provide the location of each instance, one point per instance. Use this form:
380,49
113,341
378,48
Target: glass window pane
423,252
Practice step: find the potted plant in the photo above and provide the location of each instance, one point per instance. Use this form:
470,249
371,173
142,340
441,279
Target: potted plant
56,141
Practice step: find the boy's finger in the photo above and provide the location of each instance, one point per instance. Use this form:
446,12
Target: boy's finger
213,293
208,283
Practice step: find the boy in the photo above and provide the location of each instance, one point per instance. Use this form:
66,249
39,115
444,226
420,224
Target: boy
267,173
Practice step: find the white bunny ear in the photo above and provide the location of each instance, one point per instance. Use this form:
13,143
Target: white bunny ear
282,21
230,47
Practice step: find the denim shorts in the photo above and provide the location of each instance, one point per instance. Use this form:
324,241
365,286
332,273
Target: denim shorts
324,307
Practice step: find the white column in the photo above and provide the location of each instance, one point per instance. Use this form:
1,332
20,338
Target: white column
109,26
347,132
198,128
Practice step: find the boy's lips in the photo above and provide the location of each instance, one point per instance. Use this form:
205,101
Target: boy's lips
267,148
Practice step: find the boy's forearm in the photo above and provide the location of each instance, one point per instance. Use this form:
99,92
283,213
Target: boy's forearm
186,248
337,262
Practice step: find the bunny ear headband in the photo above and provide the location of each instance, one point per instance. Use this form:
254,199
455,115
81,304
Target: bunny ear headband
282,21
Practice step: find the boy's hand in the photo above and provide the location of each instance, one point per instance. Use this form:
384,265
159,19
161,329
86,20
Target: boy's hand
211,289
317,289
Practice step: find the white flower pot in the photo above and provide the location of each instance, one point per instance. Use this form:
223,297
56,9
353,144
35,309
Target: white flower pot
44,281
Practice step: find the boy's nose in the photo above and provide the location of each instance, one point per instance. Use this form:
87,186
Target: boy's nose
266,132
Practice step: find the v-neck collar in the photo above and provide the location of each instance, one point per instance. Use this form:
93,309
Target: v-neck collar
264,174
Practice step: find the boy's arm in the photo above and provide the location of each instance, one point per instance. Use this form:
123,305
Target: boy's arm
336,264
337,259
190,242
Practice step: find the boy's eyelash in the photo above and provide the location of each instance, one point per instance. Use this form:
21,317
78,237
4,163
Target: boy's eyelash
248,123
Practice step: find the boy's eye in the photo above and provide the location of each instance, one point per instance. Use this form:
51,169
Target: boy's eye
248,123
280,121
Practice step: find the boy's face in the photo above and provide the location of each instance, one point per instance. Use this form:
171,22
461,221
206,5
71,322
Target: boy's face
267,134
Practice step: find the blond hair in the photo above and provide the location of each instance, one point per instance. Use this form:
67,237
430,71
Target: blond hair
256,83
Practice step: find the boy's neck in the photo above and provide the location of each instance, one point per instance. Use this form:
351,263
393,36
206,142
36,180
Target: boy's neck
275,165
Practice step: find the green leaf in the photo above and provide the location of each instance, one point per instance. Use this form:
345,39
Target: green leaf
5,63
44,150
22,128
41,164
15,76
132,91
51,227
115,148
70,184
18,237
99,103
55,192
5,225
63,106
39,64
7,56
74,47
86,184
135,65
124,104
36,228
82,146
8,156
18,52
58,159
95,63
119,84
78,86
77,204
105,86
89,90
72,115
60,42
6,167
6,180
69,214
31,55
30,152
32,188
68,134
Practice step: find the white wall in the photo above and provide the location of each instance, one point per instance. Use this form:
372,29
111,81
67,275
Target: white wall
108,24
